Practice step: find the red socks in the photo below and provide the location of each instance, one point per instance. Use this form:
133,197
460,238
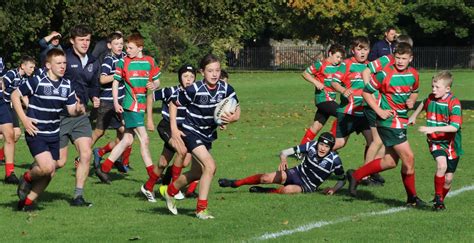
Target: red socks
107,148
28,201
409,183
175,172
153,177
9,168
126,156
276,190
172,190
107,165
368,169
27,176
445,191
439,184
192,186
334,128
308,136
201,205
2,154
251,180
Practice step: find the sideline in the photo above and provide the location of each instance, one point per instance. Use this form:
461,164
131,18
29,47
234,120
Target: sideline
320,224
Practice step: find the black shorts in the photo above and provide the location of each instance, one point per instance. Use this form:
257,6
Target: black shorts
164,130
293,177
193,141
452,163
40,144
107,118
347,124
325,110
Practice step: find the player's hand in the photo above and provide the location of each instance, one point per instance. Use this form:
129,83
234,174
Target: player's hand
30,127
177,142
150,86
80,108
228,117
347,93
384,114
426,130
223,127
150,126
118,108
283,165
410,103
319,86
95,102
411,121
329,191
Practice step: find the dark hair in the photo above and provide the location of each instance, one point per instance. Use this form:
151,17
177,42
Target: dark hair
114,36
26,58
80,31
337,48
54,53
224,75
183,69
389,28
209,58
360,41
136,38
403,48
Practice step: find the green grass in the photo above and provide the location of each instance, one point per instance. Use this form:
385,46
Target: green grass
276,108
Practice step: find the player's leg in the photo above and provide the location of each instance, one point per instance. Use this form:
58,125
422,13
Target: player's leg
96,134
17,132
277,177
9,151
104,168
408,173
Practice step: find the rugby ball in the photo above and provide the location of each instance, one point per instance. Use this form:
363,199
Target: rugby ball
228,105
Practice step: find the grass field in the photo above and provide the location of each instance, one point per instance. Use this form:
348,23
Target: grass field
276,108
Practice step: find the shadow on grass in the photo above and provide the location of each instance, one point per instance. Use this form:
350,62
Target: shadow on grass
162,210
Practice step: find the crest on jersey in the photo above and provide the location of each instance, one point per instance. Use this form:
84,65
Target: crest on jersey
220,97
204,99
56,91
90,68
311,153
135,74
47,90
63,92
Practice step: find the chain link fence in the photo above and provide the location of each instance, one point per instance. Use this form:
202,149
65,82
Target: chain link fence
298,58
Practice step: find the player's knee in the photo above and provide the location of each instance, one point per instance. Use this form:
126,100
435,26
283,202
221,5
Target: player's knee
265,179
209,169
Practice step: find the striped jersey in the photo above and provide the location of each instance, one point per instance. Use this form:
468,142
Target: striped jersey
108,68
47,99
200,102
323,71
382,62
11,80
166,95
444,112
135,74
395,88
315,170
349,75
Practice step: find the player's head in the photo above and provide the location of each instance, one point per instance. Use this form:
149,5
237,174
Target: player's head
325,144
80,38
390,33
115,42
336,53
55,40
404,39
224,75
186,75
27,65
360,48
56,63
441,83
403,56
210,68
135,44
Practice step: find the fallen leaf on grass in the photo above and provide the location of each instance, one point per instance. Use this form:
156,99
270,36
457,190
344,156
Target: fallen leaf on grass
135,238
285,222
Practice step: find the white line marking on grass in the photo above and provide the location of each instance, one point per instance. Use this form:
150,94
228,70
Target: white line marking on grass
320,224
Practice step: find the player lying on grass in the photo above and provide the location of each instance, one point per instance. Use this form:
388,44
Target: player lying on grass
317,165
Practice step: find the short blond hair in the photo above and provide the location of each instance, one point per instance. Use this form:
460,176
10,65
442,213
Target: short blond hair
444,76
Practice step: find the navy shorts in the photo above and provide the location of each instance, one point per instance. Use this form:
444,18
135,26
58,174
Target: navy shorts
193,141
293,177
6,113
164,130
40,144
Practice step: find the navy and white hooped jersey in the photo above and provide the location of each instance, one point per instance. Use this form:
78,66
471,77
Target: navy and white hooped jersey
200,103
11,80
108,68
167,95
47,99
315,170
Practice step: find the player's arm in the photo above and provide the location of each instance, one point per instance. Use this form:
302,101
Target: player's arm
105,79
74,105
337,81
115,88
310,78
412,118
366,75
411,100
369,89
176,141
284,158
340,175
28,123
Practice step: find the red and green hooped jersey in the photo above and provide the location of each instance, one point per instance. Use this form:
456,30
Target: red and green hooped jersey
444,112
349,75
395,88
378,65
323,71
135,73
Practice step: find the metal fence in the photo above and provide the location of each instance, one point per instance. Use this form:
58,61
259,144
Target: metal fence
298,58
